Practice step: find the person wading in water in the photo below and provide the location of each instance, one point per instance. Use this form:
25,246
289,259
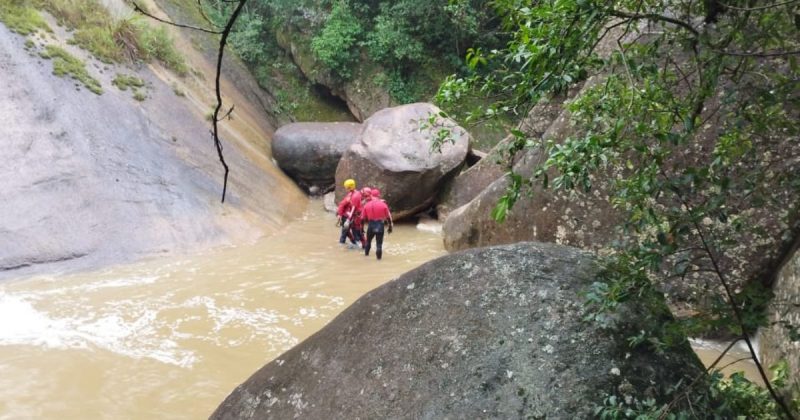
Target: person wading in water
349,211
376,213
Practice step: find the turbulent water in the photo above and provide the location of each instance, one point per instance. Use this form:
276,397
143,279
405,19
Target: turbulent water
171,338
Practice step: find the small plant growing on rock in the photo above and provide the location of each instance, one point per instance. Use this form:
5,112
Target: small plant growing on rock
123,82
65,64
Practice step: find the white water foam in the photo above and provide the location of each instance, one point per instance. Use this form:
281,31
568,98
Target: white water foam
429,225
23,324
111,332
74,319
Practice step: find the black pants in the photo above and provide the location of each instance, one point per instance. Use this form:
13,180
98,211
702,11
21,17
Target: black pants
375,230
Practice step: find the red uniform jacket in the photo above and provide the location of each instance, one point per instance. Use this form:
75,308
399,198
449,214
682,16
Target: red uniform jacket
376,210
350,202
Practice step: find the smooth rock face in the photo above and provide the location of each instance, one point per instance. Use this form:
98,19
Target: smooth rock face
89,180
309,152
394,154
776,341
486,333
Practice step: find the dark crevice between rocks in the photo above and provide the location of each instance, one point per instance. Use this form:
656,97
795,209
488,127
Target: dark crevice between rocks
473,157
326,96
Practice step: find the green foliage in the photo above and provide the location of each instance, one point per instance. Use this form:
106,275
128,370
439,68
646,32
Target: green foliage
124,81
748,400
248,38
392,41
720,398
156,43
409,44
403,89
680,128
19,17
65,64
337,45
100,42
113,40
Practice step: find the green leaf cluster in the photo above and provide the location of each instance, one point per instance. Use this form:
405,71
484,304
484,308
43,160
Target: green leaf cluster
337,45
65,64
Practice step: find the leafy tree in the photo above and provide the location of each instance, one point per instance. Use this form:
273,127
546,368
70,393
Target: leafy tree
248,38
391,41
337,46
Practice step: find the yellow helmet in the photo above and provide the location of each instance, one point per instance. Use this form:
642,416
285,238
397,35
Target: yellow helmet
350,184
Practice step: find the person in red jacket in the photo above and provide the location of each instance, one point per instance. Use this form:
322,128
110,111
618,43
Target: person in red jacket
349,211
376,213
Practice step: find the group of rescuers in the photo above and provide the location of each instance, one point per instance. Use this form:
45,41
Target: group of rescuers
360,207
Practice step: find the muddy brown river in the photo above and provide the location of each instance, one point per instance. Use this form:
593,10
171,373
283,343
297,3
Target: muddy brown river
171,338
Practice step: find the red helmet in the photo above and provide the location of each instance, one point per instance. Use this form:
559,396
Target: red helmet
366,191
376,193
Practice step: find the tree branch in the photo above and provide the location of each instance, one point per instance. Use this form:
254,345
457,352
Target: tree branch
667,408
223,40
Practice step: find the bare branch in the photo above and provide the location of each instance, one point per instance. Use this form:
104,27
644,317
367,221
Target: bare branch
227,114
667,408
741,359
222,42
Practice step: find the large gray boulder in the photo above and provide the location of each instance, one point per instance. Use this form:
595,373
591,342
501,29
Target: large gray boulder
394,154
486,333
309,152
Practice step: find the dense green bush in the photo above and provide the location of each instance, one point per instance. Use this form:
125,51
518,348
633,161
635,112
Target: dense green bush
405,38
337,46
392,42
